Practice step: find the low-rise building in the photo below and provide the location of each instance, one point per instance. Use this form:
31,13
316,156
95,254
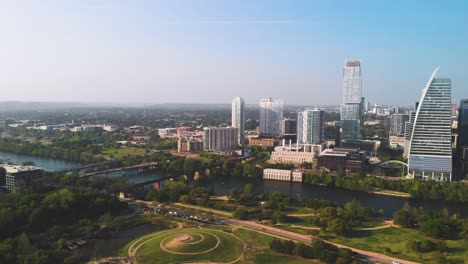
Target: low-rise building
189,142
22,176
341,159
262,142
292,157
397,142
282,175
167,130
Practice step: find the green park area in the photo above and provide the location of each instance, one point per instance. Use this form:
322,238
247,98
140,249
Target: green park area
120,153
394,241
220,244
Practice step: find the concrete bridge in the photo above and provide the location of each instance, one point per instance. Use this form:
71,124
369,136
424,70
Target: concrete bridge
148,166
106,165
156,182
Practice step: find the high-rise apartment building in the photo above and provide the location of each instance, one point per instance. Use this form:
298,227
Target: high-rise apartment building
463,124
288,126
462,144
220,139
238,117
271,114
311,126
430,149
351,107
397,124
409,129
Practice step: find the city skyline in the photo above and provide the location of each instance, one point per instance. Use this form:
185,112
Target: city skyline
152,51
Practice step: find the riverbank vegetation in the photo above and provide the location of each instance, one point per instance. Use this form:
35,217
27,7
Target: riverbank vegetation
421,190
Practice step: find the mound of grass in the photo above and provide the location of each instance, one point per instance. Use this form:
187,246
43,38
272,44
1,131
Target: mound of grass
148,248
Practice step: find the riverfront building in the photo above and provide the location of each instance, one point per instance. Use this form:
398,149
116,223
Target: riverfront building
271,114
22,176
238,117
430,149
282,175
220,139
351,104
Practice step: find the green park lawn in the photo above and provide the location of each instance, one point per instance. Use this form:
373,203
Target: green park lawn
395,239
119,153
229,249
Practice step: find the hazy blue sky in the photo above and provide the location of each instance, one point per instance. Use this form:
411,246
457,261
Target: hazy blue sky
212,51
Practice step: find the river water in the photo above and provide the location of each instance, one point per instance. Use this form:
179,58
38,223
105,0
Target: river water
46,164
222,186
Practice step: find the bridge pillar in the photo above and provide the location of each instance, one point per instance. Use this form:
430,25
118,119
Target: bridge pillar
157,186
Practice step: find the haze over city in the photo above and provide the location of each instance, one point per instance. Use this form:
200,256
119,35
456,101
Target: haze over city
212,51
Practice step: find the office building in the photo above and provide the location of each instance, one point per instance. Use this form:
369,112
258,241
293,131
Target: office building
220,139
397,124
310,127
238,117
352,101
288,127
341,159
22,176
463,124
430,149
462,143
409,130
271,114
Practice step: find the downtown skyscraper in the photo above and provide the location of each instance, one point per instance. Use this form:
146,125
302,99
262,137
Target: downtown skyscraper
351,107
430,148
310,126
238,117
271,114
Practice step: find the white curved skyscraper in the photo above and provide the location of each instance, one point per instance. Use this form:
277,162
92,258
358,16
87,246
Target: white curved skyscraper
430,149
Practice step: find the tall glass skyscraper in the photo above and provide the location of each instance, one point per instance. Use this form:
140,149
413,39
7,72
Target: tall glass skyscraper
463,124
310,128
238,117
351,105
271,114
430,149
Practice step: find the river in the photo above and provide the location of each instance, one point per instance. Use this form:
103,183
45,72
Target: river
46,164
222,186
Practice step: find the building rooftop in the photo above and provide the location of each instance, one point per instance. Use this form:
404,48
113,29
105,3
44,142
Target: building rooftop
17,168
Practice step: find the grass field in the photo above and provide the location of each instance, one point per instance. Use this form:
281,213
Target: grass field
396,239
236,245
119,153
205,245
260,251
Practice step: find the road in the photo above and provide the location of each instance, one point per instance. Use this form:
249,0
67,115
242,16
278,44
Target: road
371,256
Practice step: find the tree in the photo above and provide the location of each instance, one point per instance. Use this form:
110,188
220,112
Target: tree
402,218
276,245
240,213
184,199
339,226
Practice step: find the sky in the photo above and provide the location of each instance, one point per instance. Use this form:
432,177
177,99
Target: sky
201,51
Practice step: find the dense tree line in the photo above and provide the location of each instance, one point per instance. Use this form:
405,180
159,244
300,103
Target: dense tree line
25,216
433,224
423,190
318,249
37,149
